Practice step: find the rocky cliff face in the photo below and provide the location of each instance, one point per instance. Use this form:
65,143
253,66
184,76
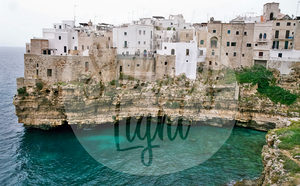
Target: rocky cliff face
208,99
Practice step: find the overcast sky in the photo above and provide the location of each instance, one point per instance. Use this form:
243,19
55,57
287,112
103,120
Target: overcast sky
21,20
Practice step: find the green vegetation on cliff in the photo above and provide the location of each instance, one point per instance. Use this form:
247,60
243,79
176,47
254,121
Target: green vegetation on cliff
258,74
289,136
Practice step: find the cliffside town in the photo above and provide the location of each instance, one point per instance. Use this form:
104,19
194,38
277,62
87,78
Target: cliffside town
101,73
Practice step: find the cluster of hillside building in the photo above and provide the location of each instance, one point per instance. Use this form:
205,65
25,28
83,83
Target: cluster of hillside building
152,48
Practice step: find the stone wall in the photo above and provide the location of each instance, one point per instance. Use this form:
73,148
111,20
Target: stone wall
165,65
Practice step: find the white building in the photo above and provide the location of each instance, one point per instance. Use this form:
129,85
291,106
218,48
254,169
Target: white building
186,57
133,39
62,37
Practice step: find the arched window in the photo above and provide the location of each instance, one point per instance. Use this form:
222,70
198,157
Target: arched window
173,52
265,36
260,36
271,16
213,42
86,66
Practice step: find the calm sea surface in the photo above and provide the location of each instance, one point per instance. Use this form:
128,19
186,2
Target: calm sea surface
35,157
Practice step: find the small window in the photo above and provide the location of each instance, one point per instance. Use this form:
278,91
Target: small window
139,42
279,54
233,43
125,33
165,48
88,47
171,23
216,64
166,63
65,49
137,65
72,37
256,44
245,33
248,44
228,31
54,26
201,42
213,53
187,35
140,32
201,52
37,65
294,24
187,52
209,62
49,72
260,54
59,26
186,60
144,42
172,51
37,72
28,51
265,36
234,53
82,47
184,27
243,55
144,32
260,36
226,54
277,24
108,38
86,65
237,32
214,31
288,24
228,43
59,37
75,47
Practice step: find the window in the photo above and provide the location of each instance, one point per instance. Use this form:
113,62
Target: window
125,33
75,47
260,54
172,51
140,32
213,53
213,42
165,48
279,54
226,54
187,52
151,35
137,65
287,34
228,43
82,47
234,53
45,52
228,31
72,37
214,31
288,24
144,32
260,36
184,27
139,42
28,51
209,62
144,42
49,72
59,37
237,32
108,38
286,44
186,60
255,44
125,44
201,53
276,33
277,24
187,35
201,42
54,26
88,47
275,44
37,72
59,26
171,23
265,36
245,33
243,55
86,65
248,45
233,43
166,63
271,16
65,49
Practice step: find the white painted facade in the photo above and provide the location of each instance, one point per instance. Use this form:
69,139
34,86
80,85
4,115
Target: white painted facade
62,37
133,38
201,56
186,57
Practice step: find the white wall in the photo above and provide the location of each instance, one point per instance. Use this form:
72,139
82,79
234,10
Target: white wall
183,63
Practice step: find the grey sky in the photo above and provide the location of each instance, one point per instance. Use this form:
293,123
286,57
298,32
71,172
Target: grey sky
22,19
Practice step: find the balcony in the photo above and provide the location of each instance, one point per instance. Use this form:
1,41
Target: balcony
283,39
262,40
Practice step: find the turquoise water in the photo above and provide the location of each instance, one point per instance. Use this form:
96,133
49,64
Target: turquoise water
35,157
